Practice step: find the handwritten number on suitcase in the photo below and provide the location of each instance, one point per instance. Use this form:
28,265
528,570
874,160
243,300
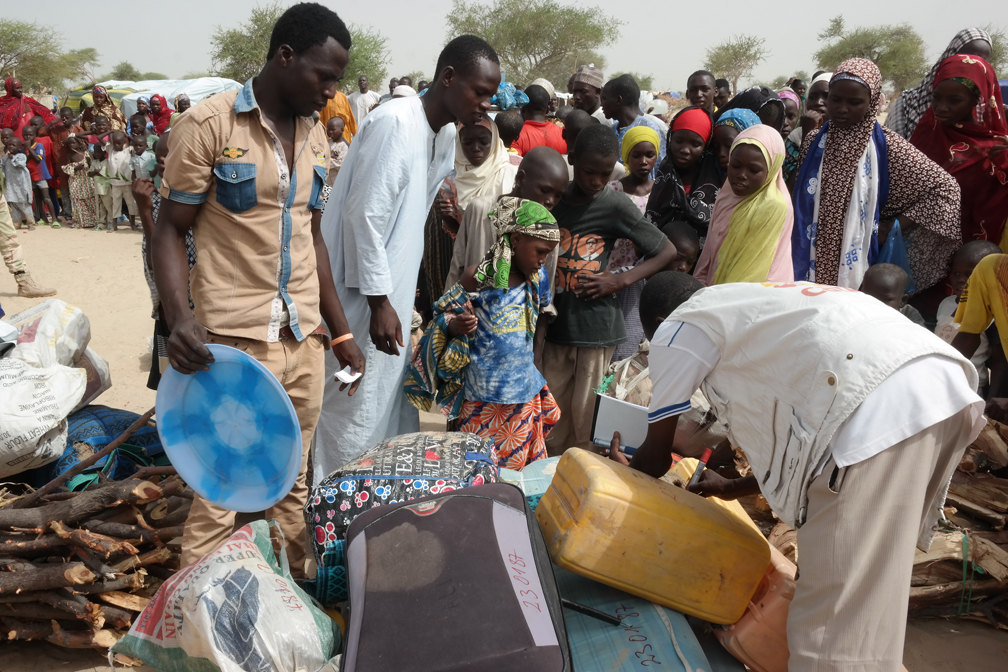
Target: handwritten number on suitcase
517,565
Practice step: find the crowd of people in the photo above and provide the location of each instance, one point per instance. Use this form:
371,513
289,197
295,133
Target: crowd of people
529,249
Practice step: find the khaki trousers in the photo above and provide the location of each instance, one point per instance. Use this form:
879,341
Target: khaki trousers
857,548
9,245
299,368
572,374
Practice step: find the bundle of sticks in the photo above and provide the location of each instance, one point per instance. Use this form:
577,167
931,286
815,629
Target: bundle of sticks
976,528
76,568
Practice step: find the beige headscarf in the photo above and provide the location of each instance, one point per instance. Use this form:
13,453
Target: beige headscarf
495,176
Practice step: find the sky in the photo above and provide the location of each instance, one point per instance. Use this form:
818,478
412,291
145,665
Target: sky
658,37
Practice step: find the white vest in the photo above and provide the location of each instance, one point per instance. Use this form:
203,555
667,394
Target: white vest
796,360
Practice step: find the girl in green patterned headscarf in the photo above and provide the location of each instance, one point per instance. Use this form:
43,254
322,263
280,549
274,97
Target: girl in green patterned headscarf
513,215
476,360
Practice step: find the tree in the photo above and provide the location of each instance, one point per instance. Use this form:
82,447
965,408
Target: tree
535,38
417,76
125,71
999,48
240,53
34,54
645,82
897,50
736,58
196,74
369,56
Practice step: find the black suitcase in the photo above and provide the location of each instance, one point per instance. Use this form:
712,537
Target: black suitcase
452,582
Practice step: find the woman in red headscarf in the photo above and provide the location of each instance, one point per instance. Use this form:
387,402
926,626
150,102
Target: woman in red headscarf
160,113
687,183
17,109
964,132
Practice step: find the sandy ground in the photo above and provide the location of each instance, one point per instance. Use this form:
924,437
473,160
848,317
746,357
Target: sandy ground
101,273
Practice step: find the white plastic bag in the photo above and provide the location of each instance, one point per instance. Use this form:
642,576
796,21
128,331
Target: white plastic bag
34,404
53,332
234,610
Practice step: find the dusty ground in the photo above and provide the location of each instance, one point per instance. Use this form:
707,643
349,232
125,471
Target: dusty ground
102,274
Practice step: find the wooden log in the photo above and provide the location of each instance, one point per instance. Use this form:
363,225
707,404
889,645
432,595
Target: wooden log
91,541
43,612
176,517
160,572
973,460
132,562
81,507
120,619
923,597
145,473
125,600
177,488
166,533
993,440
44,578
158,556
157,510
79,639
996,520
34,498
25,630
15,565
127,582
59,496
32,548
132,533
95,564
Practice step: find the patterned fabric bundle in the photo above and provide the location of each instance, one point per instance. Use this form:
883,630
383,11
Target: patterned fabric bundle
396,470
436,372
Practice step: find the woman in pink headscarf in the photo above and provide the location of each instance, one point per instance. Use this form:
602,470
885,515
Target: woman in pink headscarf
750,233
17,109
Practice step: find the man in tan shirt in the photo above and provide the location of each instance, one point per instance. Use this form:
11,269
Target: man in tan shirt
246,170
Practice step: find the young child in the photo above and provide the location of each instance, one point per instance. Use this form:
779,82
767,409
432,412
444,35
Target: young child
142,162
79,184
137,123
589,324
120,174
964,261
40,174
19,184
687,245
477,357
888,283
141,121
338,147
509,126
638,152
749,239
688,182
99,173
541,177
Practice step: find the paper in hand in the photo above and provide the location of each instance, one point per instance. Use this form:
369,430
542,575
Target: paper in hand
345,376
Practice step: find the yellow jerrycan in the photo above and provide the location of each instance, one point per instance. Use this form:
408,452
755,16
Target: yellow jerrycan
649,538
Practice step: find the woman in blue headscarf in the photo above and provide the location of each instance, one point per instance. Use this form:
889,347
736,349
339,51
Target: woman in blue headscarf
726,129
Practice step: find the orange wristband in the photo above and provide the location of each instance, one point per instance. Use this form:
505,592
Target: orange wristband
339,339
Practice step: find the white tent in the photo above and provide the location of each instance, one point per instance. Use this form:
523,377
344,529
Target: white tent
196,89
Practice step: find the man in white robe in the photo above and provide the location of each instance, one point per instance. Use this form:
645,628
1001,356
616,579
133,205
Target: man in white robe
373,226
363,100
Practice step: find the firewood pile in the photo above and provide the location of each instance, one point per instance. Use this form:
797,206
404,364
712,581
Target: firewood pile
976,509
76,568
943,583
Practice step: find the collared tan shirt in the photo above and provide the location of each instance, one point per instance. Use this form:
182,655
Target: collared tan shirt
256,268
